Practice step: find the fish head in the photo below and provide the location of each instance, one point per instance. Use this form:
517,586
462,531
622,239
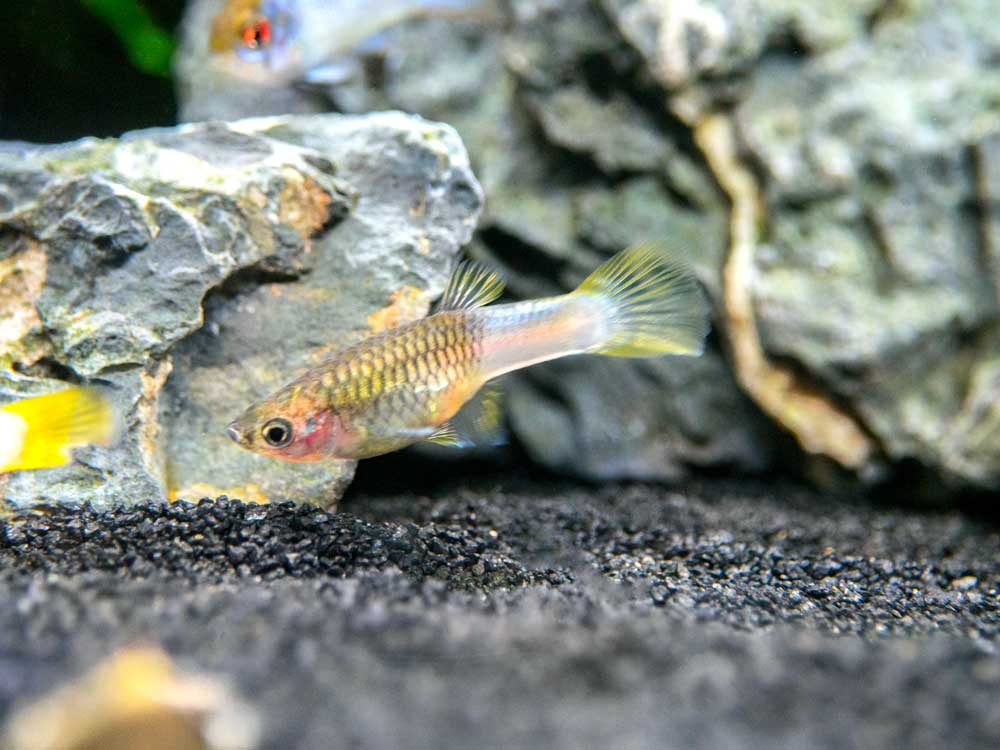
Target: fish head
257,40
292,426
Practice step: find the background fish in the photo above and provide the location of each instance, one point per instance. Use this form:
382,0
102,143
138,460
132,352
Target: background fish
404,385
39,432
276,42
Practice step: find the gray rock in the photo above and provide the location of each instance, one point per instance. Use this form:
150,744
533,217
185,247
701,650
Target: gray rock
882,208
193,270
685,44
868,136
571,419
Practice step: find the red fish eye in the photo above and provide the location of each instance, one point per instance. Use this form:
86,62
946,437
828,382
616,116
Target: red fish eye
257,34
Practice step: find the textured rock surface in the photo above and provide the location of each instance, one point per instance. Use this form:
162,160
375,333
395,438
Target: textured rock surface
194,270
862,317
527,617
879,199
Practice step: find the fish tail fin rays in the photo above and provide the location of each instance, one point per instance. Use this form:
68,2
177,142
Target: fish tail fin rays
653,304
52,424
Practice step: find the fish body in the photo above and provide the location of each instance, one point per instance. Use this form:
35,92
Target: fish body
39,432
404,385
277,42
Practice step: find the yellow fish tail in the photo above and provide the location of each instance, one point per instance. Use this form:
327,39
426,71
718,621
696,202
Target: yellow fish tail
653,304
42,430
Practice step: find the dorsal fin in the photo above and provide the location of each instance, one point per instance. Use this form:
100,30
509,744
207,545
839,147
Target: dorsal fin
471,285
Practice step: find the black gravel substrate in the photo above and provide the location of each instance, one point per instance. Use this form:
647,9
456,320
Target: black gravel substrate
537,616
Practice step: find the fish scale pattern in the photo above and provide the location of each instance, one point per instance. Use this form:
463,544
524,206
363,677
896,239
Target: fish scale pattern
411,375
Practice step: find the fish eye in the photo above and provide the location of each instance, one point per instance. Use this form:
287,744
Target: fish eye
257,34
277,432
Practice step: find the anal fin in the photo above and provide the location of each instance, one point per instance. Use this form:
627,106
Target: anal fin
480,421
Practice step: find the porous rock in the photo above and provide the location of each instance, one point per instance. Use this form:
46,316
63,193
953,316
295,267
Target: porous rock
193,270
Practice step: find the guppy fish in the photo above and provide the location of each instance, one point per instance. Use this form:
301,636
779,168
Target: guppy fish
403,385
38,432
281,41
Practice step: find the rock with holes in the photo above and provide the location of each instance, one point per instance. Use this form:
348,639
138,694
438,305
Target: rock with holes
861,182
192,270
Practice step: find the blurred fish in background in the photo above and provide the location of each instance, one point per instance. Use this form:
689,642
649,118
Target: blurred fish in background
136,698
40,432
257,56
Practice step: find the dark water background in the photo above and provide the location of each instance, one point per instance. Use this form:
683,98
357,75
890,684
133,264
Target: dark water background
64,74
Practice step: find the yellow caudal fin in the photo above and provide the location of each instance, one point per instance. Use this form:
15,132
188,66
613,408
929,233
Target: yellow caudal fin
49,426
654,304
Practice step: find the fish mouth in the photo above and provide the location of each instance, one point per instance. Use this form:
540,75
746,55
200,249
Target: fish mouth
234,434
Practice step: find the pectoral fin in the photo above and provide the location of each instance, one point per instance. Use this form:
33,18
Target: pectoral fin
446,435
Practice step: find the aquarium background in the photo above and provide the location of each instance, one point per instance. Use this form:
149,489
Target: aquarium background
73,68
793,544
